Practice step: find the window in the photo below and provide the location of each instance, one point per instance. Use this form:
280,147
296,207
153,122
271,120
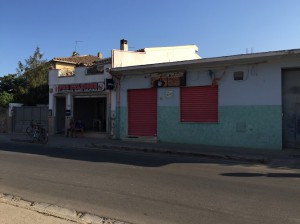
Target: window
238,75
199,104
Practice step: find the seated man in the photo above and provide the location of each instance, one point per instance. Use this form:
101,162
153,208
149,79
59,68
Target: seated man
71,129
79,126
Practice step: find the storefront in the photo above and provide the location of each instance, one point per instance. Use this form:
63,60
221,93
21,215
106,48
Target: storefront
87,95
249,101
86,102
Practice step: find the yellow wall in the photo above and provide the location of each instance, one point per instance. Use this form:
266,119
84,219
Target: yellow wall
66,69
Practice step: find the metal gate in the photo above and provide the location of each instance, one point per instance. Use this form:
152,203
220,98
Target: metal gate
291,108
22,116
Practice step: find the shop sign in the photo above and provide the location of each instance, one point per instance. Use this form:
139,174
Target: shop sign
168,79
86,87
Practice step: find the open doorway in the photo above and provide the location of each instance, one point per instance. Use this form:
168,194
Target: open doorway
92,111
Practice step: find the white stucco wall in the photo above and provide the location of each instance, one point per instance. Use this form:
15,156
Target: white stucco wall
261,86
79,77
132,82
154,55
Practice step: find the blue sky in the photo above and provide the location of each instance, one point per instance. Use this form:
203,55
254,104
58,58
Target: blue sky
217,27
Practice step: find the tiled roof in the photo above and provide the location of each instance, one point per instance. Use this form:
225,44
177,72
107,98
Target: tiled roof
79,59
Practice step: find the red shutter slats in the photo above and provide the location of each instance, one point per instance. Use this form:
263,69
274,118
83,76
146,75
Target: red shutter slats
199,104
142,112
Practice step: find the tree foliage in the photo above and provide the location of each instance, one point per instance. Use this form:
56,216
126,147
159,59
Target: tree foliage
30,85
6,98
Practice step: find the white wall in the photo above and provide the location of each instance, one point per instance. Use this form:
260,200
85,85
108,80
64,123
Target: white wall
261,84
154,55
79,77
133,82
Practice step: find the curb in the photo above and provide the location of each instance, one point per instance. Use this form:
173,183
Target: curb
57,211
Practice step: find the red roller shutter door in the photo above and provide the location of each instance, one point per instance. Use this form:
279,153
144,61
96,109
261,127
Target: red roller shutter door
199,104
142,112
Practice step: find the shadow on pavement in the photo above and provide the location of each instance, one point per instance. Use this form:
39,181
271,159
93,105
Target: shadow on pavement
108,156
140,154
289,175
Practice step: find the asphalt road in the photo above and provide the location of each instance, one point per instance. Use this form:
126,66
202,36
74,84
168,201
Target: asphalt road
150,188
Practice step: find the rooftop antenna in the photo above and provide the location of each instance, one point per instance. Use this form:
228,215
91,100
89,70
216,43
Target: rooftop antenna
76,42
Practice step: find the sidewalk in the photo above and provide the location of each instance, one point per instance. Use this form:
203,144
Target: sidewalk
15,210
275,158
10,214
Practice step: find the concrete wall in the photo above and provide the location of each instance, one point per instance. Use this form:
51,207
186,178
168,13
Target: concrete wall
250,111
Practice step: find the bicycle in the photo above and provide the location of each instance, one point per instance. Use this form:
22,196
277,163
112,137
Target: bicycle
37,133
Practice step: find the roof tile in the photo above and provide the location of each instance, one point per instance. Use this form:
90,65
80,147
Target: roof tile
79,59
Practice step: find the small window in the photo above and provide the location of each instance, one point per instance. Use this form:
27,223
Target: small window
238,75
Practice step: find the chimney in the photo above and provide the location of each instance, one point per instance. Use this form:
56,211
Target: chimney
123,45
99,55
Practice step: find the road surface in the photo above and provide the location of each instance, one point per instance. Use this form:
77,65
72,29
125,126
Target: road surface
146,188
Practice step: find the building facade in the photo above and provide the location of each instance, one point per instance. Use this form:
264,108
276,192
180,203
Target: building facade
82,88
80,93
249,100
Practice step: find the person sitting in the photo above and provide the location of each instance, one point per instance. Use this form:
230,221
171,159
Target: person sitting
71,129
79,127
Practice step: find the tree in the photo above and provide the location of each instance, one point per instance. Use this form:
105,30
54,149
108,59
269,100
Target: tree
10,89
6,98
34,73
7,83
30,85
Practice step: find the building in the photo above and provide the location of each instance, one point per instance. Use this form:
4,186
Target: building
82,87
248,100
77,89
67,65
